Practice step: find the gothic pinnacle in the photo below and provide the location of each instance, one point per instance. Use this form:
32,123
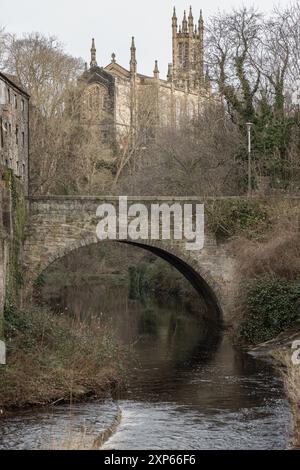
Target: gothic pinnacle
133,62
201,25
184,23
174,20
200,20
156,70
191,21
93,54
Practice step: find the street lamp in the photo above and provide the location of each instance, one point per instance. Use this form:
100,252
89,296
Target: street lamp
249,126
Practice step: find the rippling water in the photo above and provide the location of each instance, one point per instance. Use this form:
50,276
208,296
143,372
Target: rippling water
227,401
185,391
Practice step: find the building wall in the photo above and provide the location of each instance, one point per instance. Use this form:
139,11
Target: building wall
5,238
14,130
122,111
172,106
134,99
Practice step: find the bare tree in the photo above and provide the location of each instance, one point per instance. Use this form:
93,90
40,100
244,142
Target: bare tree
48,73
197,157
232,39
2,45
136,136
43,68
290,20
253,59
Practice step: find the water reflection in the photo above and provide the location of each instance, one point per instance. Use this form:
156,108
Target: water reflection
188,387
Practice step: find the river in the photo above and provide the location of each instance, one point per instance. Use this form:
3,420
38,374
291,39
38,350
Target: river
188,388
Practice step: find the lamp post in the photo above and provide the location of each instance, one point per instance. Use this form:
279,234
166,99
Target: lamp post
249,126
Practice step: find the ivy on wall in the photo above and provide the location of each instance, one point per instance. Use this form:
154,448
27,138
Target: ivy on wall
14,281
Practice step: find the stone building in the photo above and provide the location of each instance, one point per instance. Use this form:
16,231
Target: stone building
126,106
14,154
14,128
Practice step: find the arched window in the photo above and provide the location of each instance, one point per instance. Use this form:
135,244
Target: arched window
186,62
96,99
180,54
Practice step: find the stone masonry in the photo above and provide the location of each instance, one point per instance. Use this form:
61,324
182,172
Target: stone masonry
59,225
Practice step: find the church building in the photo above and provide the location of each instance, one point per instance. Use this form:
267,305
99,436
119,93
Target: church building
126,107
123,102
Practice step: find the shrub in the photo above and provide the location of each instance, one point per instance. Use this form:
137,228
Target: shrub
227,218
272,306
54,357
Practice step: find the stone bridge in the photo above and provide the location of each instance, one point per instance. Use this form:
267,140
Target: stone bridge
59,225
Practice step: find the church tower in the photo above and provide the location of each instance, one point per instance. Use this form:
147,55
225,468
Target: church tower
187,69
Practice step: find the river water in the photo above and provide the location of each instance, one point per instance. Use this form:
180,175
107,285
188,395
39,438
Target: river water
187,389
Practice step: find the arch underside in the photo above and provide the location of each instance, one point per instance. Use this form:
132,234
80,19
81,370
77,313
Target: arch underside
195,279
198,278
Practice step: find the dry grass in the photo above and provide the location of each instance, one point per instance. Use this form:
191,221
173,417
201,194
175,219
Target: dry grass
277,252
280,256
274,252
54,357
291,376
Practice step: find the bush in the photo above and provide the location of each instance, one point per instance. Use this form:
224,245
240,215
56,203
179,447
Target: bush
272,306
227,218
54,356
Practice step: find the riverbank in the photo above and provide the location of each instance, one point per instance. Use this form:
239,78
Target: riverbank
282,353
58,358
264,241
270,325
291,376
191,396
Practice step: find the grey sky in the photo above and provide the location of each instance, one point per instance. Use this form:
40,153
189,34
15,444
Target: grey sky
112,23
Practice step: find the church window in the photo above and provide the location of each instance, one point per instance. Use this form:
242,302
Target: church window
180,54
96,100
186,54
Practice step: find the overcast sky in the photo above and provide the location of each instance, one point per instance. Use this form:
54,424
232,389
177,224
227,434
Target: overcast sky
112,23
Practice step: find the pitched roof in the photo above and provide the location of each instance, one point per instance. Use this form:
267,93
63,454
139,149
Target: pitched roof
117,69
14,82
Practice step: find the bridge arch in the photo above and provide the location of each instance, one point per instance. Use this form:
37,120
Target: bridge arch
200,278
58,225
